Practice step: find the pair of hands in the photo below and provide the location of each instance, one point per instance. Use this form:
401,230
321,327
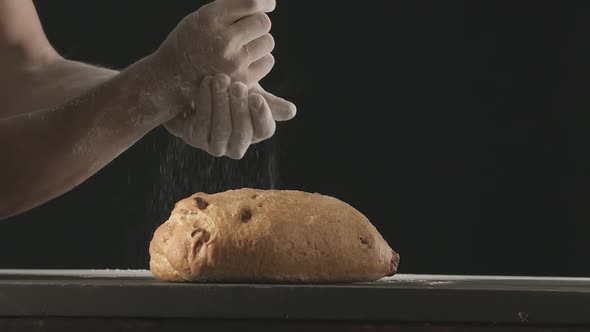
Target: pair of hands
212,62
226,120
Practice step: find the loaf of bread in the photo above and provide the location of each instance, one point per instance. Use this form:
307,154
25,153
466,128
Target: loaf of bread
251,235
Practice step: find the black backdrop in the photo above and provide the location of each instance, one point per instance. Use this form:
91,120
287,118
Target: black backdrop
459,128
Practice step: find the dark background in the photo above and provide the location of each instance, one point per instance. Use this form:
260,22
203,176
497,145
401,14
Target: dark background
460,128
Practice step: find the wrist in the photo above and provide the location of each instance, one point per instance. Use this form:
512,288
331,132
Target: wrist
164,91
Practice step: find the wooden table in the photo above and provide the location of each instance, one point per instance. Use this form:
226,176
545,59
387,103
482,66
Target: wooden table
101,300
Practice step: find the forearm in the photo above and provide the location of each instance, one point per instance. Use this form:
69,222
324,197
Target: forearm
46,153
47,86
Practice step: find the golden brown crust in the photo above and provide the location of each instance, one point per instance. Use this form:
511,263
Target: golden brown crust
251,235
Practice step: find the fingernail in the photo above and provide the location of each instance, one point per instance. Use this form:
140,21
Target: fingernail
255,102
237,90
220,84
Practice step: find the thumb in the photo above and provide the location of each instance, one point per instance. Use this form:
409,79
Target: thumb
282,110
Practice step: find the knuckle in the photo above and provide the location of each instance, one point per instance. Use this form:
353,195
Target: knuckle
223,45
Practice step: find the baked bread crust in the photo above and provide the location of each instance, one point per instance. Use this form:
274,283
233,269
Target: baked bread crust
251,235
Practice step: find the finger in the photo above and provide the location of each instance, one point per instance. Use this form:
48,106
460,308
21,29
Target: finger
230,11
282,110
200,126
177,126
263,124
259,48
220,116
242,130
250,28
259,69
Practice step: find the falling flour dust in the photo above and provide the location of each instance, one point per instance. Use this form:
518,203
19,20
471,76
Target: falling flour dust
184,170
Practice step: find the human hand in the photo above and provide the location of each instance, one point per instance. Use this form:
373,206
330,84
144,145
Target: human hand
282,110
226,119
224,36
